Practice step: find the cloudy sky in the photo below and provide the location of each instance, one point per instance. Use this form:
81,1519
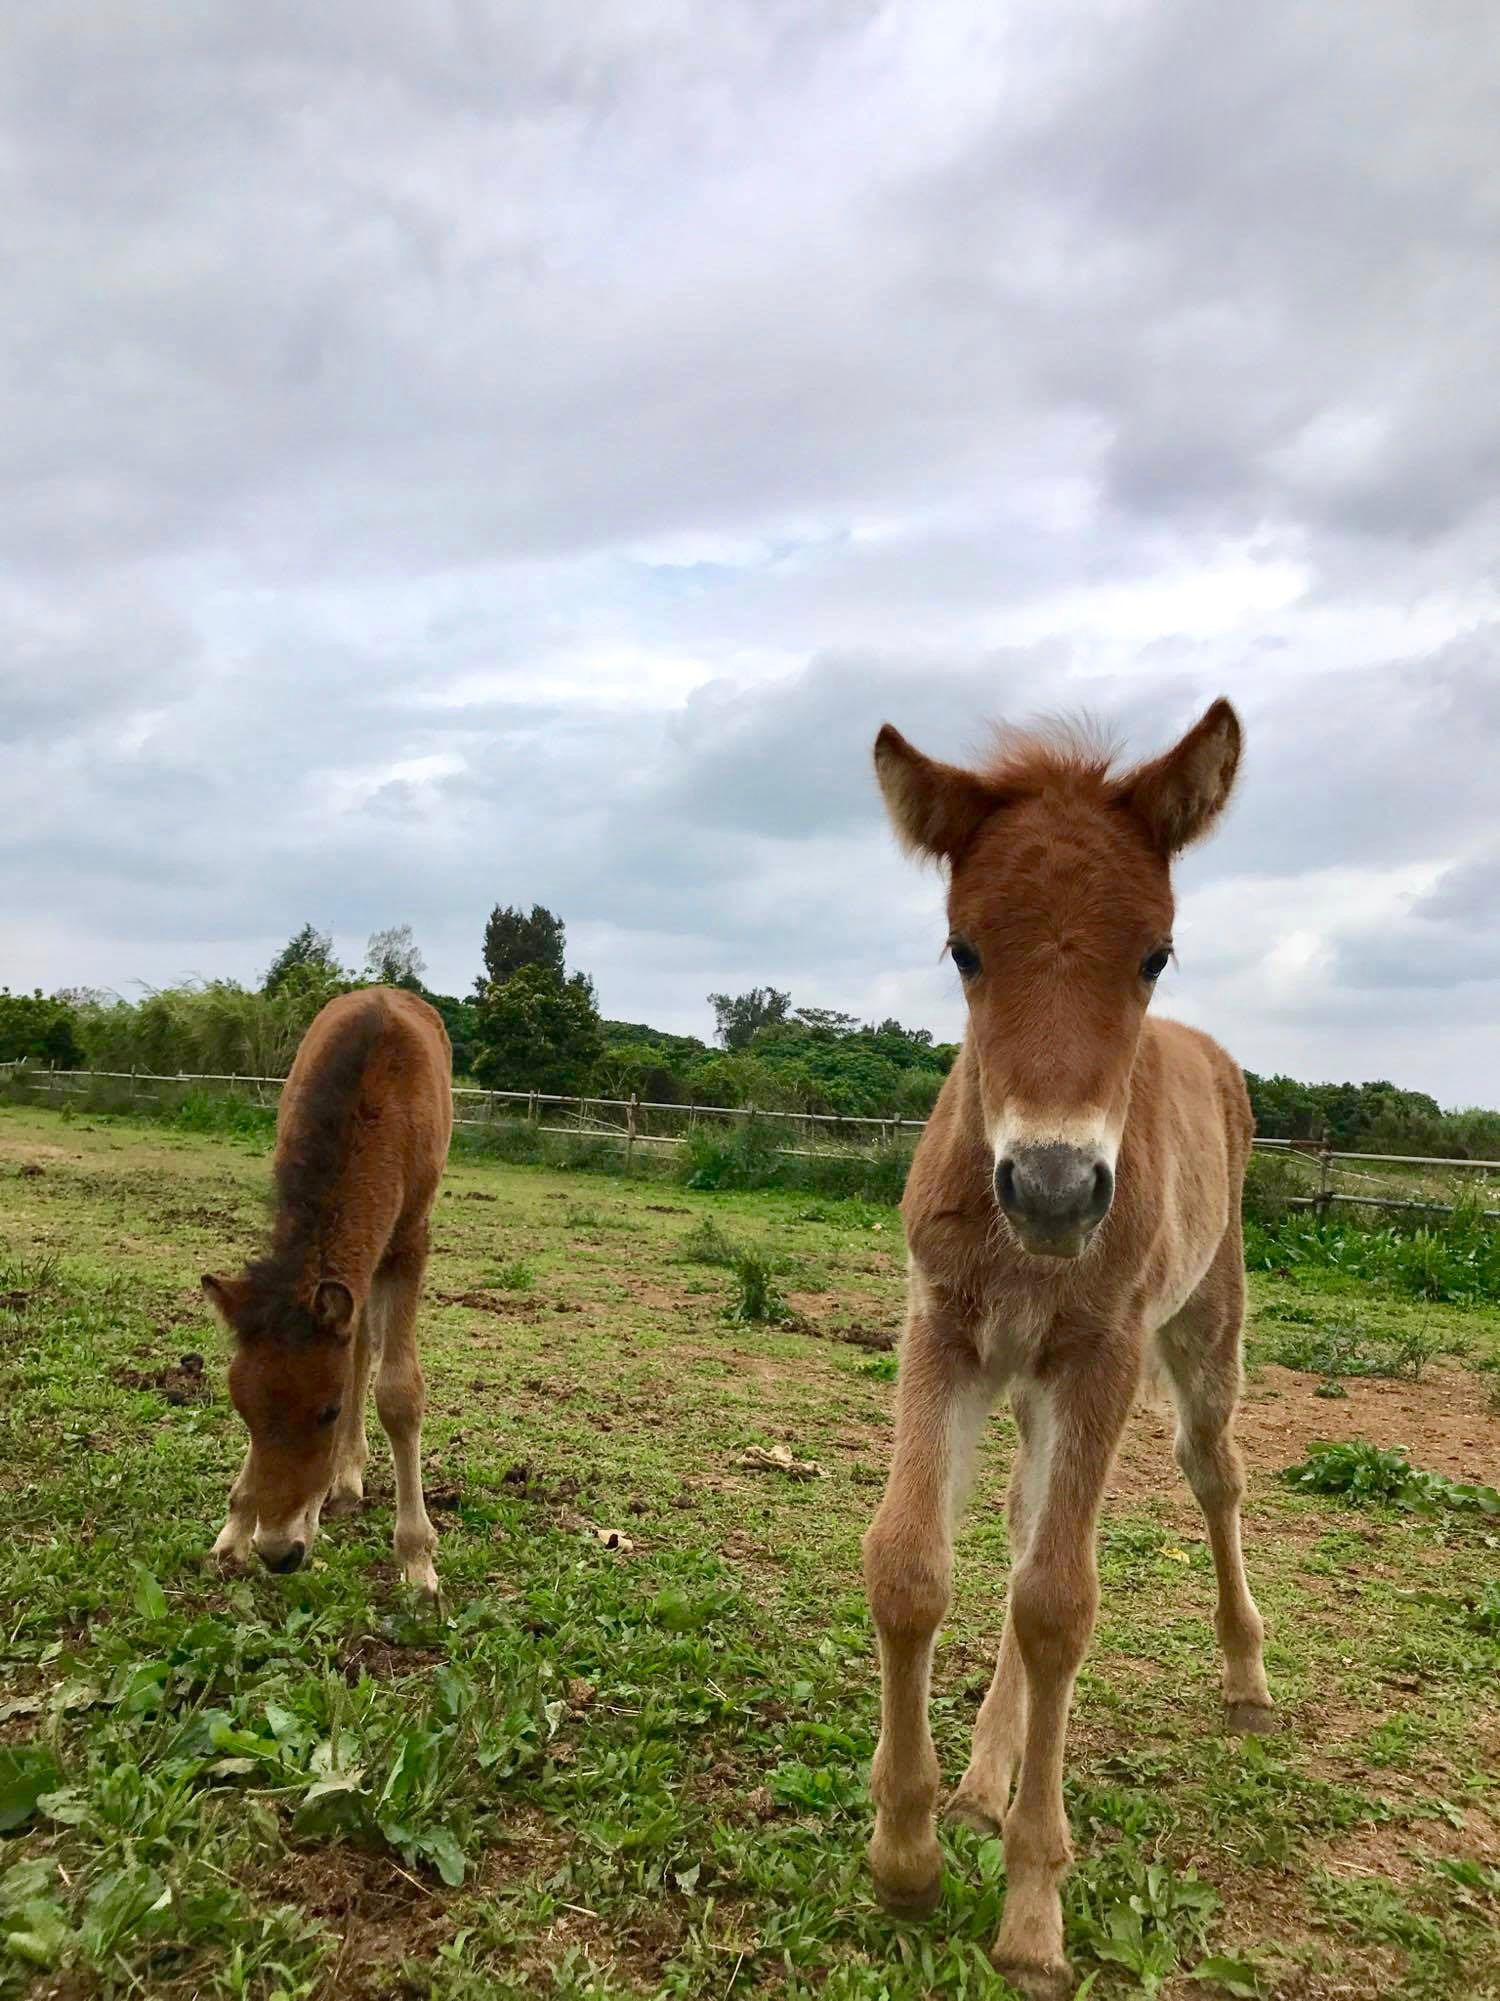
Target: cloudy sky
481,452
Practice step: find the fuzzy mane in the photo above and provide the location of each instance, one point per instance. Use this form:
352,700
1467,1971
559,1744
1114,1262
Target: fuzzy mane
1049,752
309,1161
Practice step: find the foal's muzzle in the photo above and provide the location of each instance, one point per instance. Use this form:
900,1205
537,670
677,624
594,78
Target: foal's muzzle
283,1559
1055,1196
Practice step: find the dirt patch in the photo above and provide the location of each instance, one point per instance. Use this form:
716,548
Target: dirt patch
381,1912
506,1305
383,1661
1441,1420
878,1340
180,1382
660,1298
1403,1854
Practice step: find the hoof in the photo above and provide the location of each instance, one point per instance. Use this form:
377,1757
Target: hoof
344,1501
919,1903
967,1810
423,1580
1250,1719
1052,1982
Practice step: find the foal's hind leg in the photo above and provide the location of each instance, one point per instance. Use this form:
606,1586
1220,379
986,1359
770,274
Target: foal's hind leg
1200,1352
400,1400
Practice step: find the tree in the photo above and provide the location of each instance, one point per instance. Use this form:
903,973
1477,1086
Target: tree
39,1030
392,958
307,949
512,940
740,1017
827,1022
537,1031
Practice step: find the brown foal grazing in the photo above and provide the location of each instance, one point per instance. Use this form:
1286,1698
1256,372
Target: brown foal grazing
1072,1219
361,1143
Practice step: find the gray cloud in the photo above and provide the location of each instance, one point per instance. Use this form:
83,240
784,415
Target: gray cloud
480,453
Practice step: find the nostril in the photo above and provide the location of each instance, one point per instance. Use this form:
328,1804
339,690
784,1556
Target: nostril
1104,1189
292,1560
1005,1184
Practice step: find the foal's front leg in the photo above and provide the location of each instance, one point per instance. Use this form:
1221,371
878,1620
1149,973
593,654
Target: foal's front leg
235,1538
1054,1595
941,1400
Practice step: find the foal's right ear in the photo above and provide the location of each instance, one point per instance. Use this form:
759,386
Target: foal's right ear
1180,794
935,808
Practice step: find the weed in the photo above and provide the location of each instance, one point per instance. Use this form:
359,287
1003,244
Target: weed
1359,1472
517,1276
756,1295
707,1244
1344,1351
884,1368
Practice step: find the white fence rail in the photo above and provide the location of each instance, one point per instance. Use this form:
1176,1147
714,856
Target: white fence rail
627,1122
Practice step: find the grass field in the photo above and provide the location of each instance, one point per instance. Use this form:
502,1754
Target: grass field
629,1756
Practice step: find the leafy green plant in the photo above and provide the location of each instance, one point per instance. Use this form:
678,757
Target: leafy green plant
517,1276
1140,1916
1359,1472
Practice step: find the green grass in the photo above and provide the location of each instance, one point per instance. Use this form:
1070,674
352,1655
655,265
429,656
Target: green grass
641,1771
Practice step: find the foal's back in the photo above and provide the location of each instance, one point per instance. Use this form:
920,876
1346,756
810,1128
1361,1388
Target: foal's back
387,1050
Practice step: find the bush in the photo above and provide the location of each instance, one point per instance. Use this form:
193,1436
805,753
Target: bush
34,1029
757,1296
219,1028
230,1115
707,1244
1459,1264
1270,1180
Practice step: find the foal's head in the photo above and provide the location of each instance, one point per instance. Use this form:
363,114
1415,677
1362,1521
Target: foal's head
1060,923
288,1379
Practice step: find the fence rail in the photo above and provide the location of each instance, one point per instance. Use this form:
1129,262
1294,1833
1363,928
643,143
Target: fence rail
591,1119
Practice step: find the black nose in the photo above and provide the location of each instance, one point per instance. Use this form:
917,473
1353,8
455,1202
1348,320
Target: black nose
1057,1189
290,1561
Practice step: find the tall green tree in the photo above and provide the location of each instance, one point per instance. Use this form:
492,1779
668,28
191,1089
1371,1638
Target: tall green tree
538,1031
739,1018
308,951
513,940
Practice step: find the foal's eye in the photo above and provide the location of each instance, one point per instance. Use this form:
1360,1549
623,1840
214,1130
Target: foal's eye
327,1416
1155,965
964,957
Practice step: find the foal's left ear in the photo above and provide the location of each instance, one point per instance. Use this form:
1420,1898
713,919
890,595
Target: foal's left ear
1180,794
333,1308
225,1295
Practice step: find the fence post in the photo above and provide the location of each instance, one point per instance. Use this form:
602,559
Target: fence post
1325,1175
630,1112
531,1117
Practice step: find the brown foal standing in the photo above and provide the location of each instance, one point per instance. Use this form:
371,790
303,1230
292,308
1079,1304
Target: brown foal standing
1072,1218
361,1143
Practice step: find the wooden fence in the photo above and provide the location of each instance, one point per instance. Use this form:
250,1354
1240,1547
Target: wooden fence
629,1122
